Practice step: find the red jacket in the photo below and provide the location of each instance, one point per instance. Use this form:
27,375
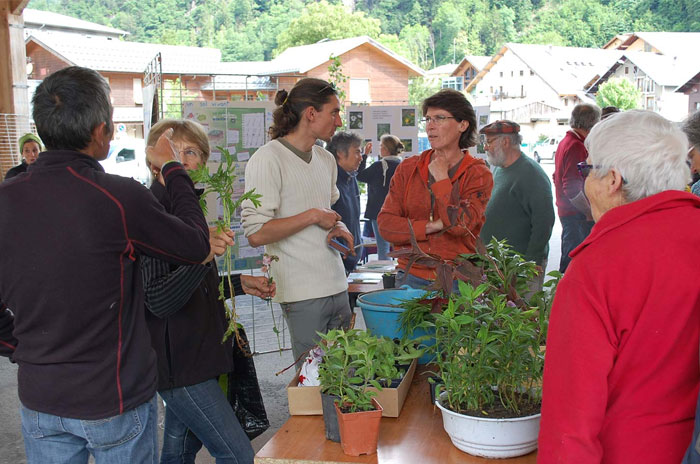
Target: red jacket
621,369
567,181
409,199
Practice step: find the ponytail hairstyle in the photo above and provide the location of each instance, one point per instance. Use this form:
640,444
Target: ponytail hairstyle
393,144
290,105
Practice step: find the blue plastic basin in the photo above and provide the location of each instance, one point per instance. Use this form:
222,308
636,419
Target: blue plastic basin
381,310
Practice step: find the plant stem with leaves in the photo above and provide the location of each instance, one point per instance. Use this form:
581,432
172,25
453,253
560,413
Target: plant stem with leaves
222,183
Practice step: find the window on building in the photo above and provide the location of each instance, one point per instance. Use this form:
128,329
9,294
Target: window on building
650,103
500,74
453,83
627,69
511,74
138,93
697,106
522,89
359,91
532,73
522,73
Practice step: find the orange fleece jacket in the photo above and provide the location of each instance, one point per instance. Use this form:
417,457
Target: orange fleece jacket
409,200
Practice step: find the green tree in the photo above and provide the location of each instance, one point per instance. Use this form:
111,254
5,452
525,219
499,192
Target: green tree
418,45
618,92
325,21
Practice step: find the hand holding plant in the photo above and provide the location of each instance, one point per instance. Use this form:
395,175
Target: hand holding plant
222,183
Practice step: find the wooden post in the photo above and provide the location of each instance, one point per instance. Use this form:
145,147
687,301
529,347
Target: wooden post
13,74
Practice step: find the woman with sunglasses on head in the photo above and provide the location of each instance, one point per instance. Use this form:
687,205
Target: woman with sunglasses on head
378,178
621,373
421,191
187,322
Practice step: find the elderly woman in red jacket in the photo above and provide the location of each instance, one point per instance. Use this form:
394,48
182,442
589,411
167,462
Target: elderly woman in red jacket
621,371
421,191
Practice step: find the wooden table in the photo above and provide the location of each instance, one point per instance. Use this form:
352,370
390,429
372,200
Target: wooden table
357,288
416,436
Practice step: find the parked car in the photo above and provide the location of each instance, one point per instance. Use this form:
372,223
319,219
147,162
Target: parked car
545,150
127,157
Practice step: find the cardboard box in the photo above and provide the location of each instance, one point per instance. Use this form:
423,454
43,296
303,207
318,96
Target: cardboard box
306,401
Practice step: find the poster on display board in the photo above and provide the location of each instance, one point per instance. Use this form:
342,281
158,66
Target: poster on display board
241,128
483,116
371,122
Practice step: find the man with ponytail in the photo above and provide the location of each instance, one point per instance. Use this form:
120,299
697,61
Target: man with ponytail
297,181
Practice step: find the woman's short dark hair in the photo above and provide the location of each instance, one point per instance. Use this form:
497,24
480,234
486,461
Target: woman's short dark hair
69,105
290,105
342,142
458,106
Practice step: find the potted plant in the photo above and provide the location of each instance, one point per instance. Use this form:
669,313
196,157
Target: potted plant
489,357
389,280
353,362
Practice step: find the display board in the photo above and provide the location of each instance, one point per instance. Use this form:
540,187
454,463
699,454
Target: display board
242,128
371,122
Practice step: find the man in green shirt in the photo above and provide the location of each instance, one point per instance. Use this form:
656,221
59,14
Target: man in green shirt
521,209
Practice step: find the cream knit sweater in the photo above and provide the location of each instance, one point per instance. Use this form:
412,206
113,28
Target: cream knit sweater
307,268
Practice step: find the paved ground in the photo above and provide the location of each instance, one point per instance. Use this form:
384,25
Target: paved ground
255,316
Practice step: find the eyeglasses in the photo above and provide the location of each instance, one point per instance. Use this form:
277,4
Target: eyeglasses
485,141
584,168
440,119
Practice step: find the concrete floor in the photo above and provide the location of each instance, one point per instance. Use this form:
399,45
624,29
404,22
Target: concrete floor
257,320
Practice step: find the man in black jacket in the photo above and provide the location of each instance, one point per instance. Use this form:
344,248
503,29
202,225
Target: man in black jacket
71,237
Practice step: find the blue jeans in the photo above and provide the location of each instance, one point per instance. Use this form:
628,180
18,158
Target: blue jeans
574,230
129,437
692,455
383,246
200,414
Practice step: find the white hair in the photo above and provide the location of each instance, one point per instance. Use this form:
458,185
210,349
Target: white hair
648,151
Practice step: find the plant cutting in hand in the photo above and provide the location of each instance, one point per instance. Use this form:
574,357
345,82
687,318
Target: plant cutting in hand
222,184
266,265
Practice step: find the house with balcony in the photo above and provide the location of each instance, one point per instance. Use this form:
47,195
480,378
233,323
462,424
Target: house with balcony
691,88
657,77
465,71
538,85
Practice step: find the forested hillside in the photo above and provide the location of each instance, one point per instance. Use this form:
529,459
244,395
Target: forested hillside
429,32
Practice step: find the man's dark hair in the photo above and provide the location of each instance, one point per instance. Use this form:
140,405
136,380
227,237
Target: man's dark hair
584,116
68,105
342,142
458,106
290,105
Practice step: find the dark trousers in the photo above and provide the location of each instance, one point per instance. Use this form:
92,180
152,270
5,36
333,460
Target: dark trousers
574,230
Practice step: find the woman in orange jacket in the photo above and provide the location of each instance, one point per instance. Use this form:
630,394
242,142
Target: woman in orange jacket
442,193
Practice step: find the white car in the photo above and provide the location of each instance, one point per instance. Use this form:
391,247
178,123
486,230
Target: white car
127,157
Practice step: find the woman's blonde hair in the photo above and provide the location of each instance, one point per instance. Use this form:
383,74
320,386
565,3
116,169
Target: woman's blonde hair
183,129
392,143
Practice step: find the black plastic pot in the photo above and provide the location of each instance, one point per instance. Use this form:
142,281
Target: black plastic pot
389,281
330,417
434,386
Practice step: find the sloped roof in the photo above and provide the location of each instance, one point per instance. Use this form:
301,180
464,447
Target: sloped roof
112,55
445,69
687,85
477,61
672,43
565,69
37,19
664,70
303,58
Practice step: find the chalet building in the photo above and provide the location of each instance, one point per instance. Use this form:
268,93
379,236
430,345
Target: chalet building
538,85
465,71
376,75
657,77
691,88
656,62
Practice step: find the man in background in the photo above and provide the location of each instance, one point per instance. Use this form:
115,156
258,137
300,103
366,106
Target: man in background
572,205
521,209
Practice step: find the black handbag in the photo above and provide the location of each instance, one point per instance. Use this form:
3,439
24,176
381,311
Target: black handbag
243,393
